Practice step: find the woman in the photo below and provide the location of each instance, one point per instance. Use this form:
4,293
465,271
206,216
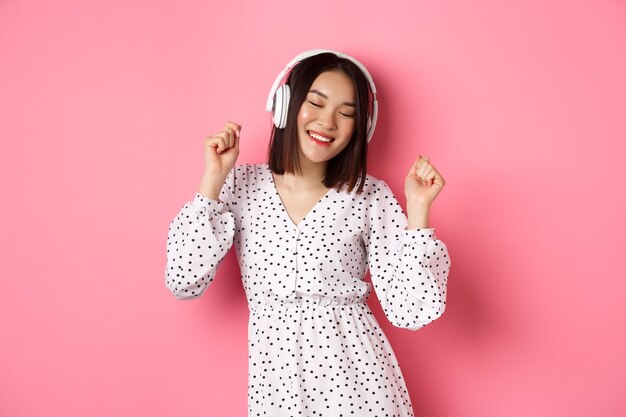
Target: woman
306,227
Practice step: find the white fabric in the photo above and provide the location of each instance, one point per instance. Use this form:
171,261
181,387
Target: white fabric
315,348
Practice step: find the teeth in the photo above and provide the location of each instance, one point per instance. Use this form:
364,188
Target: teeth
320,138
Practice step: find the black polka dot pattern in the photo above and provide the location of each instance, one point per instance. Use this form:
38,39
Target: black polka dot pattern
315,348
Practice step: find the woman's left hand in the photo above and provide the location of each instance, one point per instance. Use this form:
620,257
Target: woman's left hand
423,183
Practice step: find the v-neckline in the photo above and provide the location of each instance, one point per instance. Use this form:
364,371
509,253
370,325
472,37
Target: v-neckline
286,214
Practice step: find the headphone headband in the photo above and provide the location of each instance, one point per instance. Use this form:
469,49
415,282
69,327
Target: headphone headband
272,104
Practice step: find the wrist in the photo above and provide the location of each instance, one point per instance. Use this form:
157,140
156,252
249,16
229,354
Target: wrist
211,186
417,205
418,215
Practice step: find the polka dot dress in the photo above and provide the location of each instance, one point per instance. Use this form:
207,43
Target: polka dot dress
315,348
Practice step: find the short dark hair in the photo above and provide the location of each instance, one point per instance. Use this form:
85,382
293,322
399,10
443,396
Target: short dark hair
348,168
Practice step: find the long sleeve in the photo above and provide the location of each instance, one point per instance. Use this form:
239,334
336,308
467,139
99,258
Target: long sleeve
198,239
409,268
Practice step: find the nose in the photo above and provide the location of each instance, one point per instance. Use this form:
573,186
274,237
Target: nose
326,119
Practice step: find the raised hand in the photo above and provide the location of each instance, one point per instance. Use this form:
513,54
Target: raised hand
423,183
222,149
220,154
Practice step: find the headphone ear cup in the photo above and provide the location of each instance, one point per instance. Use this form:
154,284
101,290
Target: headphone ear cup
281,104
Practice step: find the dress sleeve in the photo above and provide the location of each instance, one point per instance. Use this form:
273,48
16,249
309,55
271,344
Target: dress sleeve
409,268
198,239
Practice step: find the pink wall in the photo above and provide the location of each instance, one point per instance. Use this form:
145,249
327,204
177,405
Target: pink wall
104,106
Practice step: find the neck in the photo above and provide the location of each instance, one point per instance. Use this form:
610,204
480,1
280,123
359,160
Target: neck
311,176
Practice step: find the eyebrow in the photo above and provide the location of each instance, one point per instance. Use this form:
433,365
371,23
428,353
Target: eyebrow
345,103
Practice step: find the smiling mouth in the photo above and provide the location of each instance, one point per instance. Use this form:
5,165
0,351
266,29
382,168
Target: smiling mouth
319,138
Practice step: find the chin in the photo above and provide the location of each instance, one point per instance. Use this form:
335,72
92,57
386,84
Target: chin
317,159
316,155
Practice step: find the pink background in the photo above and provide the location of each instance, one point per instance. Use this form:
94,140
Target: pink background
104,105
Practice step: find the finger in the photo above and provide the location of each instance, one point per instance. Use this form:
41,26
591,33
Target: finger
436,178
439,180
225,134
437,174
236,142
219,135
424,181
217,142
232,125
413,169
230,137
429,175
212,141
223,145
424,167
422,159
236,128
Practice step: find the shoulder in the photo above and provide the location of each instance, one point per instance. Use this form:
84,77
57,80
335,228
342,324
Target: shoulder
250,169
244,177
375,187
378,197
248,173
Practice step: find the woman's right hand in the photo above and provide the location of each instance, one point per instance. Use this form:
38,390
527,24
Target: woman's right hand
220,154
221,150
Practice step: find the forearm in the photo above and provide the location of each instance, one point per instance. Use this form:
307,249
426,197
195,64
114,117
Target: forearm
198,239
211,185
417,216
416,283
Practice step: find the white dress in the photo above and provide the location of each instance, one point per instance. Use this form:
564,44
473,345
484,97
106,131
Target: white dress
315,348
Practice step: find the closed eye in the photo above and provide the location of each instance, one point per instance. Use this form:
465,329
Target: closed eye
319,106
